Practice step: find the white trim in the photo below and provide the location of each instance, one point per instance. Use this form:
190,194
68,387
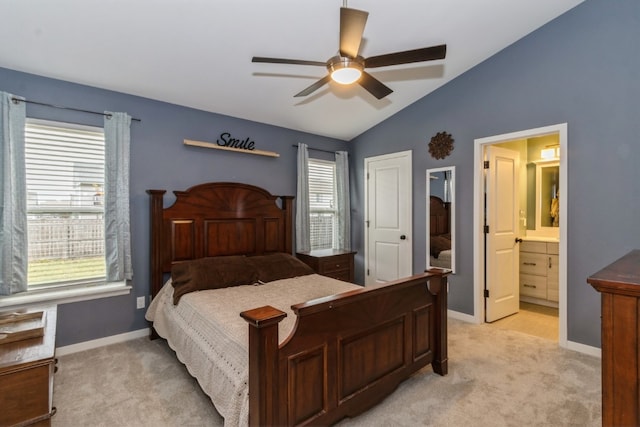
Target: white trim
63,296
461,316
478,241
101,342
585,349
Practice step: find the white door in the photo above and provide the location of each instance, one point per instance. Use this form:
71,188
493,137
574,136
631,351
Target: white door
388,234
502,292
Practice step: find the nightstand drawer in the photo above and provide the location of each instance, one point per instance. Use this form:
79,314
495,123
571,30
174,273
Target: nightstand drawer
335,264
344,275
330,262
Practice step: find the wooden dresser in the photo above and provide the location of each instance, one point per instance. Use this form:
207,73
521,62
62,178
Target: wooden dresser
26,377
330,262
619,285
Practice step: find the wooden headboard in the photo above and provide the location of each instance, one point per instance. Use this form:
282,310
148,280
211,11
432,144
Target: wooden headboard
439,216
215,219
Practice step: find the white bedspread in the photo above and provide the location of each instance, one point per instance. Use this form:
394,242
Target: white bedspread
443,260
209,336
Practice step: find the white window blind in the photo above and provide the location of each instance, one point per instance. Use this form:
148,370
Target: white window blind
322,203
65,181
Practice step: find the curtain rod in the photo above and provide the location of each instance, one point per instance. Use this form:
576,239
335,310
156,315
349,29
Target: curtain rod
16,100
316,149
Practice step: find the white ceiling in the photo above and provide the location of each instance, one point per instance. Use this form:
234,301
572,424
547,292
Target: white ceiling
197,53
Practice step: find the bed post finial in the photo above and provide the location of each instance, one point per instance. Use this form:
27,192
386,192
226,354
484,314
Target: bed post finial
264,369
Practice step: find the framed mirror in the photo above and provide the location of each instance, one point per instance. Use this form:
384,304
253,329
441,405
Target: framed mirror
441,218
543,199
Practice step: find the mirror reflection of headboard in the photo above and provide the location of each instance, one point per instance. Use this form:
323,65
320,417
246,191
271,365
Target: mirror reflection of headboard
441,218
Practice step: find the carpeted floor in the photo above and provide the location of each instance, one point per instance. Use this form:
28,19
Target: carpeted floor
496,378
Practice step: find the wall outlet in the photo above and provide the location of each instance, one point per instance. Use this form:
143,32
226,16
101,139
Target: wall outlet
140,302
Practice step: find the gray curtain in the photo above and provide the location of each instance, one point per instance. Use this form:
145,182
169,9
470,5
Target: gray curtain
447,187
13,201
116,197
303,230
344,204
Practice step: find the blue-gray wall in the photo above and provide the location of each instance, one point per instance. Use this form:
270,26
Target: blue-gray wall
583,69
159,160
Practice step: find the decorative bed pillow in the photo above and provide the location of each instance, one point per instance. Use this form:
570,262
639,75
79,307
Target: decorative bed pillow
211,273
279,265
439,244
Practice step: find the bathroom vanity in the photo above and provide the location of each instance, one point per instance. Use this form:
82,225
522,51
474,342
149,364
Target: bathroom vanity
539,273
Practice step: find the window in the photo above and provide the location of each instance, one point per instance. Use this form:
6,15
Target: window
65,212
323,214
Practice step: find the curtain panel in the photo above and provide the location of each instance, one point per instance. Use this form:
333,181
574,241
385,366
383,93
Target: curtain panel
117,140
303,229
343,202
13,200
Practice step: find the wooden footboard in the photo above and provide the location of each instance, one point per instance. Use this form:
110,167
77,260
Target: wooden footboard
347,352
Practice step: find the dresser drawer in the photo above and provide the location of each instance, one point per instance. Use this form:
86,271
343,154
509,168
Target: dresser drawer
533,286
532,263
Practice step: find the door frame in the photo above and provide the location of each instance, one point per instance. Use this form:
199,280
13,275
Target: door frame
478,229
406,154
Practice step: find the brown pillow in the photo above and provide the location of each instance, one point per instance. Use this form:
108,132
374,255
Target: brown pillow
439,244
279,265
211,273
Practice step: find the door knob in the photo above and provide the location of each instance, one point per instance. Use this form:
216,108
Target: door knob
518,240
403,237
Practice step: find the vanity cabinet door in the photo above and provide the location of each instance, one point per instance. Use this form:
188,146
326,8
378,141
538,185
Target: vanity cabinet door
553,275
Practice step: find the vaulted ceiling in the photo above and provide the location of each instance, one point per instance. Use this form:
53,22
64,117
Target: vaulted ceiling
197,53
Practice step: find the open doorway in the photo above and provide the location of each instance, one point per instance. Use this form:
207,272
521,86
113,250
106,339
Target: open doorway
540,242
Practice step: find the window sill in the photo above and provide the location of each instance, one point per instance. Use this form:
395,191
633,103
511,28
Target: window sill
64,295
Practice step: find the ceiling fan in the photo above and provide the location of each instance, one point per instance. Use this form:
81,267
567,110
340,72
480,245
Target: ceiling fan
348,67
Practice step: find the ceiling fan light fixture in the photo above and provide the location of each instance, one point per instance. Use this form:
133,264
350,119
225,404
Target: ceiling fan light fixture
345,71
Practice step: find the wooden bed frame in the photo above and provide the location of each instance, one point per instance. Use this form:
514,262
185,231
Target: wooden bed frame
347,351
439,216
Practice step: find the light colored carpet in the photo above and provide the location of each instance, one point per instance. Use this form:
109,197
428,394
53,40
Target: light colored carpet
496,378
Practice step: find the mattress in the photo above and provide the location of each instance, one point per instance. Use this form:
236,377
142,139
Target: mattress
208,335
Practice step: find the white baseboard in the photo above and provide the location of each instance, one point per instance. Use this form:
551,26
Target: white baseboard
461,316
586,349
101,342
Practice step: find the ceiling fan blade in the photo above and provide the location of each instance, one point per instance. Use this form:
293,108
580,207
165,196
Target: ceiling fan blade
287,61
317,85
352,22
408,56
374,86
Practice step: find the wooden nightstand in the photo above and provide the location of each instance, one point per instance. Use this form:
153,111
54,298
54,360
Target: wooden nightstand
330,262
26,376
